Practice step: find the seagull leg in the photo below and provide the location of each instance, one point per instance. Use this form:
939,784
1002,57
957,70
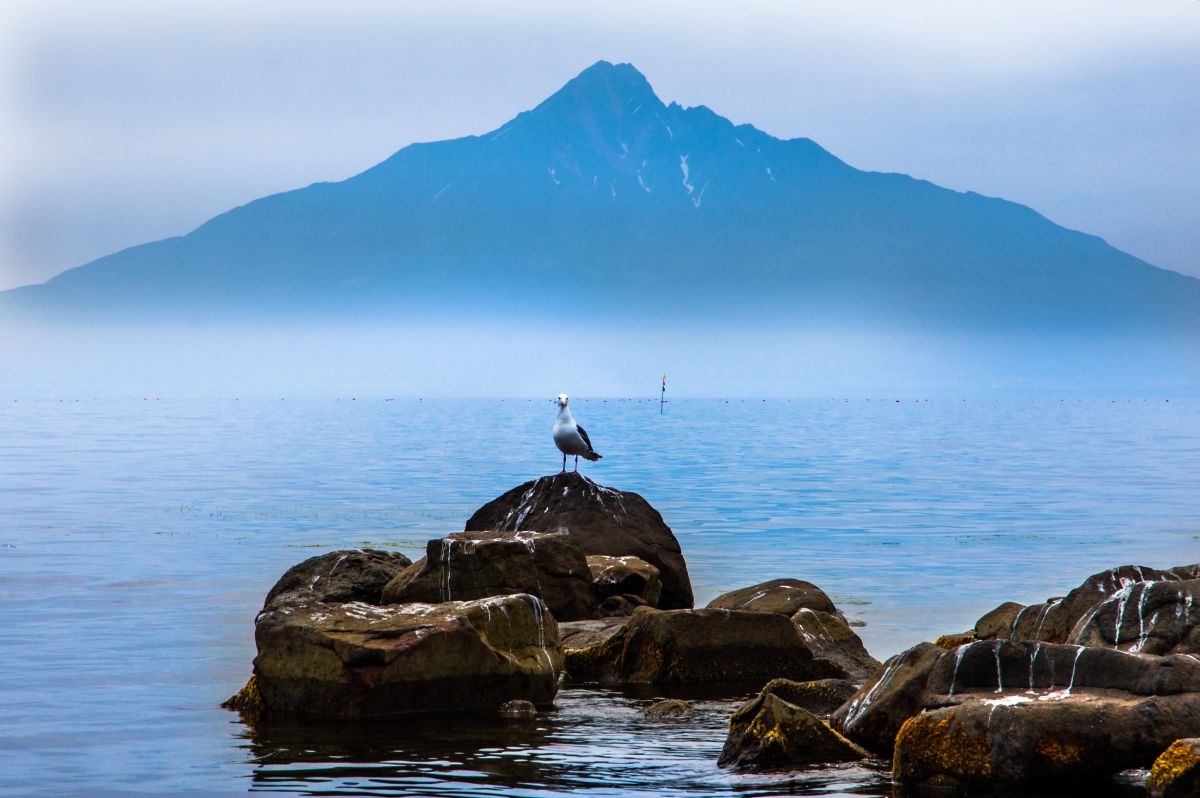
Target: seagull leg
576,464
564,462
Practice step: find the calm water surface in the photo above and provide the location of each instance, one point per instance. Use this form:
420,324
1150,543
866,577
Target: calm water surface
138,537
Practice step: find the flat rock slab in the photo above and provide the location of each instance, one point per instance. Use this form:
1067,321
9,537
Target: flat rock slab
601,520
359,660
472,565
689,646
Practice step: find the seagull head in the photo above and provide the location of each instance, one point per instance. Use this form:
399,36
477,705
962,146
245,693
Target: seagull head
562,400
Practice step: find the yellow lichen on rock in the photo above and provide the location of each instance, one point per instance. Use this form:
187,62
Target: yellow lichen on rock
247,699
928,745
1062,753
1176,772
951,642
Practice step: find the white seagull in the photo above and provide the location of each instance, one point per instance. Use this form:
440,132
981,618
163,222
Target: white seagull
570,438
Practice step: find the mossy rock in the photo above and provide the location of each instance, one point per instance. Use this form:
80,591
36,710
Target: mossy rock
949,642
769,732
819,696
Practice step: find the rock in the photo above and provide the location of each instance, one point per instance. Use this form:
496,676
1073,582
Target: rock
518,709
357,660
1160,617
873,716
582,634
820,696
784,596
667,709
1176,772
769,732
1054,620
601,520
1016,714
830,637
998,623
950,641
681,646
473,565
1019,742
624,576
339,576
619,606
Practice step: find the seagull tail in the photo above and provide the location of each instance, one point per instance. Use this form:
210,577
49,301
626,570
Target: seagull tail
591,456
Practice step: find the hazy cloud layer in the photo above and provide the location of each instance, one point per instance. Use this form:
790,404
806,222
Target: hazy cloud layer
129,121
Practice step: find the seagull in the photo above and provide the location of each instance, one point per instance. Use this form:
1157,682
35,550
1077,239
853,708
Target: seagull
570,438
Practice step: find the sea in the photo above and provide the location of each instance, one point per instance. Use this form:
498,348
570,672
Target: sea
139,535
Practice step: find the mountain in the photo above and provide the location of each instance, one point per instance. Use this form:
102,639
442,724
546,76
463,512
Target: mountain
605,203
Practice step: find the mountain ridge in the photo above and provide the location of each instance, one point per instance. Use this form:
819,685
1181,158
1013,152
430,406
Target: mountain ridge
604,199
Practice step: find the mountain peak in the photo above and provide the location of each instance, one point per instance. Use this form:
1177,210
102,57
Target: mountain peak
604,85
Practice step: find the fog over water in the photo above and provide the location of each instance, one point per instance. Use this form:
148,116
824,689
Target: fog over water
501,357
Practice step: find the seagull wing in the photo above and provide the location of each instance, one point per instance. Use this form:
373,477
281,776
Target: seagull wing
583,435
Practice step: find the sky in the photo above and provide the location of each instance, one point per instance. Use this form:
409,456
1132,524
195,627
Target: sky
131,121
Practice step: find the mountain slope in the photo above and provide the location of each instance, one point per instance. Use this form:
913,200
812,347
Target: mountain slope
605,202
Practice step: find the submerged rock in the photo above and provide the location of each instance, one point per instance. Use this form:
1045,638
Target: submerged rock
1176,772
357,660
473,565
819,696
625,576
601,520
667,709
347,575
783,596
518,709
681,646
768,731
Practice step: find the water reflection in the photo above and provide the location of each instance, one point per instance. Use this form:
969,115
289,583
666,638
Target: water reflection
594,742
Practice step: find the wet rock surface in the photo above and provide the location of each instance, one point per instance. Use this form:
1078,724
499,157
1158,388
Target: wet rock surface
686,646
346,575
831,638
1114,592
770,732
601,520
626,577
472,565
783,596
357,660
874,714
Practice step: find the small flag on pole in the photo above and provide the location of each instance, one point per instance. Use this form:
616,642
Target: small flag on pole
663,396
